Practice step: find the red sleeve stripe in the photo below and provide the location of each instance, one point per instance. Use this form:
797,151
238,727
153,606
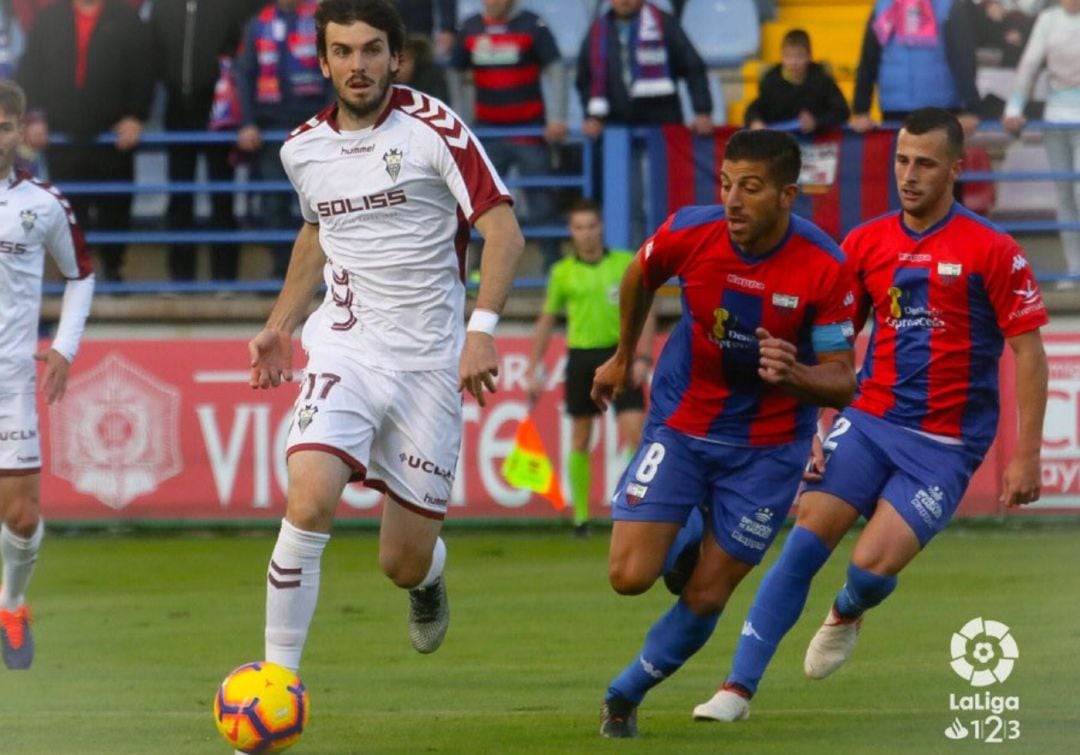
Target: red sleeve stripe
83,261
483,188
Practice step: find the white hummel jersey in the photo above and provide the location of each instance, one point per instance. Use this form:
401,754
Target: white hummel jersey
394,204
35,218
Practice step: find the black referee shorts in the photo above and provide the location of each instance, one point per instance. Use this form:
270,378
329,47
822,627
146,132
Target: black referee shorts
580,366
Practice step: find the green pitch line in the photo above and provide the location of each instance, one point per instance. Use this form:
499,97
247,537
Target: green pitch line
135,632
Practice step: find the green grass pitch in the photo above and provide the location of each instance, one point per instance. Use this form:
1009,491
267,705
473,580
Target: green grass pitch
135,632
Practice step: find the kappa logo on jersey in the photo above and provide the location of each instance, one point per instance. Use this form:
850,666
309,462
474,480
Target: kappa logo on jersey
1019,263
737,280
393,160
439,118
909,257
28,218
1030,294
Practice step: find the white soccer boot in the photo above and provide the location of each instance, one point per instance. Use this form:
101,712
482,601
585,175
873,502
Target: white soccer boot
832,645
725,705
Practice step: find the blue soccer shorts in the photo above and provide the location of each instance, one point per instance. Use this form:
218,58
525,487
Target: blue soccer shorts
746,490
868,459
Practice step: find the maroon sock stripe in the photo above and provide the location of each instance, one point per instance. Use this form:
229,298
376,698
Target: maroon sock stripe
282,571
282,584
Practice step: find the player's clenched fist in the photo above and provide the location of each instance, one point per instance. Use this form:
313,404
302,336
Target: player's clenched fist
777,357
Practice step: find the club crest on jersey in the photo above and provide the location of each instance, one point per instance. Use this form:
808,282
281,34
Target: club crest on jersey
635,492
949,271
28,218
305,416
393,160
785,301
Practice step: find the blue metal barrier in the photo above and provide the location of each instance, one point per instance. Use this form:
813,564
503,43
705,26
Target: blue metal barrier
161,140
618,148
617,151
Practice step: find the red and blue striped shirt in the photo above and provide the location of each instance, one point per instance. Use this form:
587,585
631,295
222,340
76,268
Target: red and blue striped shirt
942,303
706,382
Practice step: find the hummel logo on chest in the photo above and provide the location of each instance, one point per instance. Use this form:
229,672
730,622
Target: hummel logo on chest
365,150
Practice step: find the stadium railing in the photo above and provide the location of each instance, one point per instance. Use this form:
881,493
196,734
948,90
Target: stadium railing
619,142
616,149
581,180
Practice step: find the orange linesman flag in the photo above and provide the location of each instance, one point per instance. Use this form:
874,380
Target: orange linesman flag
529,467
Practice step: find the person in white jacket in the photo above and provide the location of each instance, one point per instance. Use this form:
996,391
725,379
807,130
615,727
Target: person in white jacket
1055,43
35,219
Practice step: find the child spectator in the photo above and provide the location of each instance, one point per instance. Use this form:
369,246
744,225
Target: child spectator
798,92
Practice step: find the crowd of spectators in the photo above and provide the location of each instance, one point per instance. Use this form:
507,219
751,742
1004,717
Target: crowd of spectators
250,66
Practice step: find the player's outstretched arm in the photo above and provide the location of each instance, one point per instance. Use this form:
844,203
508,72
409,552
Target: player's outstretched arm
271,349
635,301
830,382
503,245
1023,475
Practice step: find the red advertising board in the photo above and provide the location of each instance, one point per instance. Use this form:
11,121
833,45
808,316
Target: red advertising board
1061,433
169,429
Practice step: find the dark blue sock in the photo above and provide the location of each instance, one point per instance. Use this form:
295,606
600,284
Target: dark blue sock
777,605
863,591
691,532
676,636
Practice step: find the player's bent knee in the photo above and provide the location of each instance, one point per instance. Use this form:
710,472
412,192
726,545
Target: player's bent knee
706,600
22,513
404,568
308,519
626,580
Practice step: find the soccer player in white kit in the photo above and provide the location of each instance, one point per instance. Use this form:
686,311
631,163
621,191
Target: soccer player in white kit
389,182
35,219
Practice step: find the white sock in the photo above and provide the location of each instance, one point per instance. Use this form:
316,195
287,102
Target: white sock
292,590
19,555
438,563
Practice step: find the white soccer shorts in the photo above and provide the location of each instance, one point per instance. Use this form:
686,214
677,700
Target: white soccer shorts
20,446
399,431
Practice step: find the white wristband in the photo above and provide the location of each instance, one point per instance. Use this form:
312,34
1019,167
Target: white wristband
483,320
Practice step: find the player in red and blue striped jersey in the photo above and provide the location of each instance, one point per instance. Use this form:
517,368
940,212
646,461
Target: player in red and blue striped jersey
765,337
944,290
